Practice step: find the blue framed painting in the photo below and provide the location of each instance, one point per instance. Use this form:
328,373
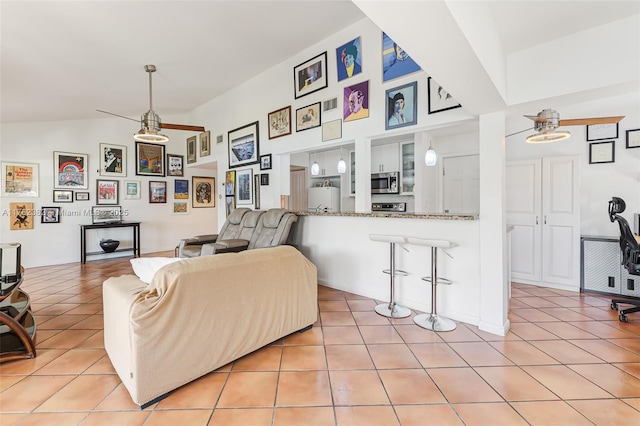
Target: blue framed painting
402,106
395,61
349,59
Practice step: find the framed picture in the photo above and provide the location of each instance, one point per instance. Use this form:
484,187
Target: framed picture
132,189
203,192
50,215
149,159
106,192
244,145
230,183
113,160
633,138
205,143
401,106
230,204
20,216
191,149
62,196
70,170
111,214
356,101
308,117
180,207
310,76
244,180
181,189
82,196
395,61
439,99
175,165
256,191
598,132
264,179
332,130
19,179
602,152
265,162
157,191
279,122
349,59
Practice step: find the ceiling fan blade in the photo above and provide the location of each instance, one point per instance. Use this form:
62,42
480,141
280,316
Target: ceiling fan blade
588,121
521,131
537,118
117,115
181,127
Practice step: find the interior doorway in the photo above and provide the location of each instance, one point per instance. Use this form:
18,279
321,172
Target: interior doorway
461,184
298,197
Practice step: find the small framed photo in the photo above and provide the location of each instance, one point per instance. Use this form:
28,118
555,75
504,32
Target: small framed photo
264,179
191,149
349,59
633,138
244,181
204,195
244,145
21,216
205,143
356,101
62,196
279,122
180,207
82,196
310,76
106,192
439,99
132,189
149,159
112,214
230,183
70,170
19,179
308,117
265,162
157,192
113,160
181,189
598,132
50,215
175,165
401,106
602,152
332,130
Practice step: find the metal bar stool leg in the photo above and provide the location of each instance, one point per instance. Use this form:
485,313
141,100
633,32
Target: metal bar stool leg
391,309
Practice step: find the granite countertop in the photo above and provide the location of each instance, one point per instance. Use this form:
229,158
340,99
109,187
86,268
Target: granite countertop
436,216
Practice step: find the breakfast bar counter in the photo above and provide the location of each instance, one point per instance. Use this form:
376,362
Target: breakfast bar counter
396,215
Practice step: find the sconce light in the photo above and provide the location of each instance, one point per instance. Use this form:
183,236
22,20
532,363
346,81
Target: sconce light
342,166
430,158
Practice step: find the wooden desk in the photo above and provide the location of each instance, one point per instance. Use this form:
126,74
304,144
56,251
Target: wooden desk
83,238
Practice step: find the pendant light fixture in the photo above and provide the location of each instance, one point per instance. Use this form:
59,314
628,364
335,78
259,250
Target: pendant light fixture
315,168
430,158
342,166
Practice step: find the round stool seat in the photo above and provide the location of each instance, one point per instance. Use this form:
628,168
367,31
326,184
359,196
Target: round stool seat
391,309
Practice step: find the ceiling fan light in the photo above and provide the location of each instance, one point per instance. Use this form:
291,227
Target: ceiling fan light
149,136
546,137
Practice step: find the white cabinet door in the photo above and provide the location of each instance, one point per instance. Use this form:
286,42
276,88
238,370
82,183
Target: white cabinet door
327,162
352,173
385,158
461,184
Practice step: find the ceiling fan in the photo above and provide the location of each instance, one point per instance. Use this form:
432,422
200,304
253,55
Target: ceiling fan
150,123
548,120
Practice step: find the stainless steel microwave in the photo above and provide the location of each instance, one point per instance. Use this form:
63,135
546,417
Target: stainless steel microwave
385,183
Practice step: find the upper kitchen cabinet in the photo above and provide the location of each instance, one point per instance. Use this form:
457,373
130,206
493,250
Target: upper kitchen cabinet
327,163
385,158
407,171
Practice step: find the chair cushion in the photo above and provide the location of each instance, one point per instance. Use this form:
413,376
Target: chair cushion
271,218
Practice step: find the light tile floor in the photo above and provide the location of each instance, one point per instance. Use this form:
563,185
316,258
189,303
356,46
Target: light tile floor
566,361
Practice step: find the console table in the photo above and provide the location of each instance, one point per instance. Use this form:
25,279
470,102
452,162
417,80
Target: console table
135,226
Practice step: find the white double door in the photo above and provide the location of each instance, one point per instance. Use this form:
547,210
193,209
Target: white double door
543,205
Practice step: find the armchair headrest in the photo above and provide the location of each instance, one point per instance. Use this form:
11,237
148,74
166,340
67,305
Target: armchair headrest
251,219
616,205
271,219
236,215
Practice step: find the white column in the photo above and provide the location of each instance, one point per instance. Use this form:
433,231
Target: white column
493,226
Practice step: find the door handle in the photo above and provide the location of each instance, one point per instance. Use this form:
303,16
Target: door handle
545,219
536,220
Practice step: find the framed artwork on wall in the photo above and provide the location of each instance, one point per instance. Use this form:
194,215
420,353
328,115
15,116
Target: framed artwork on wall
256,191
230,204
70,170
265,162
132,189
395,61
101,214
203,192
82,196
310,76
401,106
106,192
633,138
602,152
244,145
332,130
349,59
20,216
244,180
439,99
205,144
191,149
180,207
308,117
19,179
50,215
356,101
62,196
157,191
279,122
175,165
113,160
149,159
264,179
598,132
230,183
181,189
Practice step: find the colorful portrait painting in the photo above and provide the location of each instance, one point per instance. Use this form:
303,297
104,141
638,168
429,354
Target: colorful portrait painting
356,101
395,61
349,59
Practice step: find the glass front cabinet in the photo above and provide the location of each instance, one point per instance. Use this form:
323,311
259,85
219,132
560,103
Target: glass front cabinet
407,170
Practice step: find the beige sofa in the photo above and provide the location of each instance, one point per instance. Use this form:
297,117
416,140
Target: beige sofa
199,314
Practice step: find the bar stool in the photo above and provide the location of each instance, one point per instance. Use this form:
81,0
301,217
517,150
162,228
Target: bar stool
432,321
391,309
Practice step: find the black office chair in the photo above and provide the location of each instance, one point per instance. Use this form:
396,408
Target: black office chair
630,254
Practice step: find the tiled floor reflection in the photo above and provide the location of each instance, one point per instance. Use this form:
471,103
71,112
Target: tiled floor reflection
566,361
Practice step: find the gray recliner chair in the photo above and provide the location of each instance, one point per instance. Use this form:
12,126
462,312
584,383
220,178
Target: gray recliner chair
273,228
192,247
232,245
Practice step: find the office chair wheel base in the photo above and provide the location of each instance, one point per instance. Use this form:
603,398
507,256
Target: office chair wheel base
614,306
623,318
392,310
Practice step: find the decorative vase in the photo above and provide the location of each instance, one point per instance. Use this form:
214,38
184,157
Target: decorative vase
109,246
